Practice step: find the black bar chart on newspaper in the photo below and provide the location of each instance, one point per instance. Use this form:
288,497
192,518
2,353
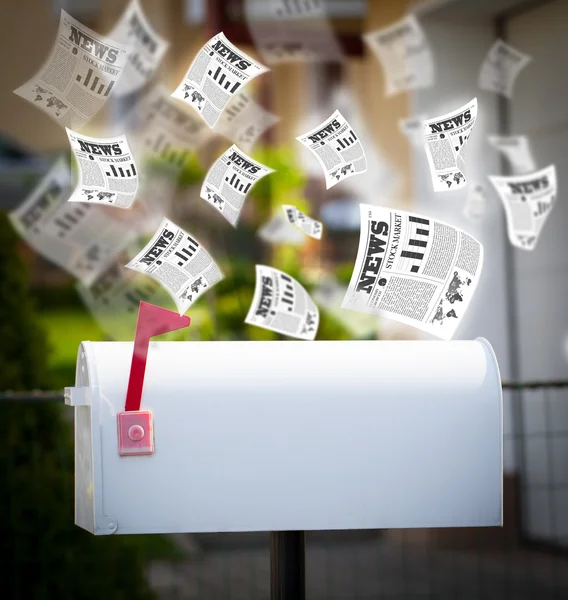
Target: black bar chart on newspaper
186,253
288,293
419,231
223,81
346,141
120,172
541,208
236,183
93,84
162,147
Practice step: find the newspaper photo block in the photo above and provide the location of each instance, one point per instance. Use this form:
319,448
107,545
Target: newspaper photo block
517,150
79,75
414,269
179,262
405,55
107,172
146,48
244,121
81,239
229,180
306,224
278,230
282,305
528,201
215,75
337,149
445,141
501,68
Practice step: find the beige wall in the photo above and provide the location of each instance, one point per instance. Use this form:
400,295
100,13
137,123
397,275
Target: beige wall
285,87
382,114
364,76
32,128
288,95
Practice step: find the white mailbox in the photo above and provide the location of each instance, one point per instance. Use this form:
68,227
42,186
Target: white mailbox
276,436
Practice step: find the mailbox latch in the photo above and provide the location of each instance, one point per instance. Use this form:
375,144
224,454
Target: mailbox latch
77,396
135,433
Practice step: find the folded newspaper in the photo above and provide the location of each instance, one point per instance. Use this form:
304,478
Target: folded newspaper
337,149
445,141
282,305
405,55
81,239
229,180
517,150
306,224
528,201
107,171
278,230
215,75
160,127
501,68
146,48
78,75
291,31
414,269
244,121
179,262
114,298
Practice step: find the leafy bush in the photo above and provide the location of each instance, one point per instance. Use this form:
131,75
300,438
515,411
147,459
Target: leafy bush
44,555
62,295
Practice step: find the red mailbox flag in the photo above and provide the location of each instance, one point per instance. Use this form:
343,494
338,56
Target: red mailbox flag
135,435
152,320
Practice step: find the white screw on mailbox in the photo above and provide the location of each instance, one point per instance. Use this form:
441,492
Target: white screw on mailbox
287,437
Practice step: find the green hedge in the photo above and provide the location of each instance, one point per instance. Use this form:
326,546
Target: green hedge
62,295
44,555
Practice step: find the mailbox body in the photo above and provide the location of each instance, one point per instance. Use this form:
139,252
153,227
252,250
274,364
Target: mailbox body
274,436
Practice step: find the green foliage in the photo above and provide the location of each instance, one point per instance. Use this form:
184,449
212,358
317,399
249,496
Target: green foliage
287,178
282,186
23,349
232,297
44,555
192,173
63,295
343,272
66,327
